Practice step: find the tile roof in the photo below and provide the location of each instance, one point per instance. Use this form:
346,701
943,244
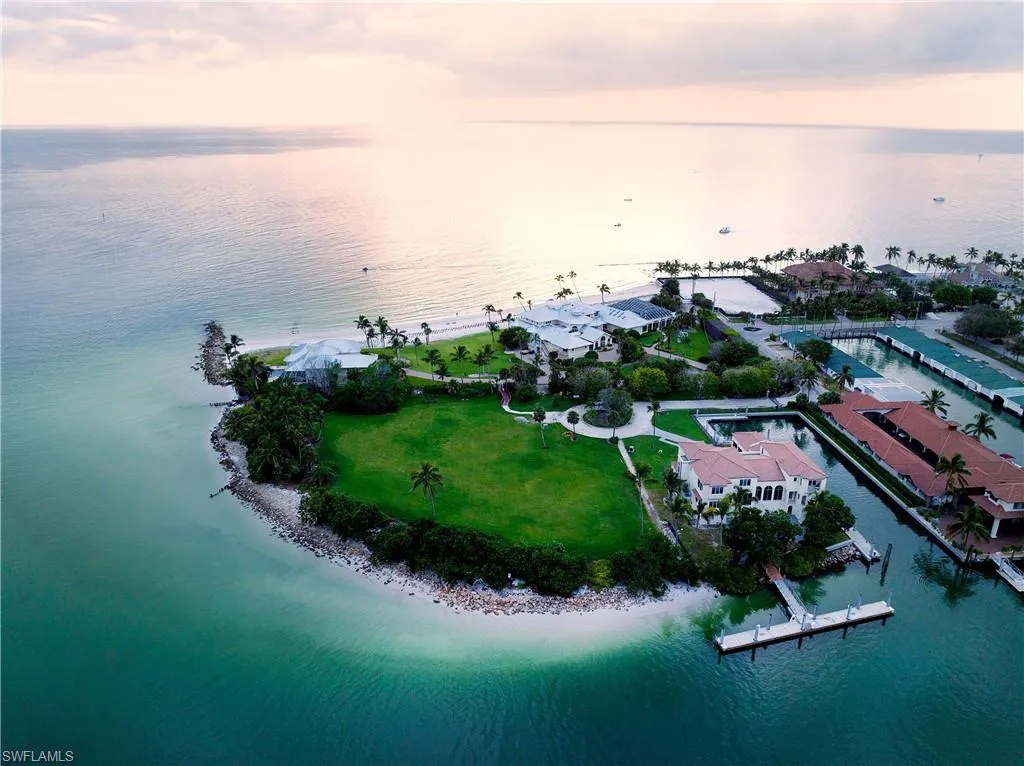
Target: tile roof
988,470
720,465
809,270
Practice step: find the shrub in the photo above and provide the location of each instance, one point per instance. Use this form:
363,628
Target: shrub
601,574
802,561
524,393
747,382
648,382
733,353
513,338
630,350
647,567
829,397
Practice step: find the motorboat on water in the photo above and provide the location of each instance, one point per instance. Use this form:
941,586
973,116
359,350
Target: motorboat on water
724,230
938,199
617,225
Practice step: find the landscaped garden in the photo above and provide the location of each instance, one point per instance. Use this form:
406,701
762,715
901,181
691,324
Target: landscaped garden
497,477
694,346
415,357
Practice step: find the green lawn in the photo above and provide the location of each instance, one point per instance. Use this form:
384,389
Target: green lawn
658,455
550,403
696,345
650,338
497,478
474,343
681,422
273,357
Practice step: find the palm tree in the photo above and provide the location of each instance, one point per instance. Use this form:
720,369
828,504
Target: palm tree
603,289
972,253
480,359
433,357
492,327
572,277
363,324
519,297
981,427
427,478
248,375
382,328
370,335
892,253
935,402
707,512
426,332
969,521
441,369
671,480
955,470
654,408
416,343
460,354
538,417
845,377
398,341
573,417
808,377
642,472
489,309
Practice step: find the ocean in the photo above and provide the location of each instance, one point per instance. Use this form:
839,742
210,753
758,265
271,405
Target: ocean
145,622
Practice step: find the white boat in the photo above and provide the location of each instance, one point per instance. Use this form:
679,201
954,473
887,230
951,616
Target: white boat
938,199
724,230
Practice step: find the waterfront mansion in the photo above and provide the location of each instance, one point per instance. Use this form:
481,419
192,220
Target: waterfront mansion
778,475
573,328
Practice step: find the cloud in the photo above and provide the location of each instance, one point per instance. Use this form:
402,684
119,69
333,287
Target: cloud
496,50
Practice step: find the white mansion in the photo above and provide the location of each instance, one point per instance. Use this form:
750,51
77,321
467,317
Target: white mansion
777,474
572,329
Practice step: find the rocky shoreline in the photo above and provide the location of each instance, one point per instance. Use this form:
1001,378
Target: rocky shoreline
279,507
211,359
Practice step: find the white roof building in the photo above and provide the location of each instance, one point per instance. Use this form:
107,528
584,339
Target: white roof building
574,327
322,355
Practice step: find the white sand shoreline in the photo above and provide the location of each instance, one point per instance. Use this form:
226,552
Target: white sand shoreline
279,507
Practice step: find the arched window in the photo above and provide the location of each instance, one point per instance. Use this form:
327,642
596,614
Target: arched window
757,494
778,492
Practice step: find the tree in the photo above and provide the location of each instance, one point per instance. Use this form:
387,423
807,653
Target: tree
763,537
441,368
671,480
654,408
383,327
427,478
1015,345
519,297
248,375
955,470
829,397
824,516
987,322
981,427
538,417
514,338
493,327
416,343
398,341
935,402
489,309
648,382
808,377
815,349
459,354
572,276
231,347
573,417
603,289
970,521
426,332
845,377
364,325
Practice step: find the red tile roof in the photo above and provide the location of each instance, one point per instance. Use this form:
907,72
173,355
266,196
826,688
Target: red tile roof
716,466
805,272
996,474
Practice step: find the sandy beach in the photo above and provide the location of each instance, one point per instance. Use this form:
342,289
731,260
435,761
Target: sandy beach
442,328
279,507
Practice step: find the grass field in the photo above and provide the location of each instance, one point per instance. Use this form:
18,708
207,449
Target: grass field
273,357
696,345
650,338
658,455
473,343
497,478
681,422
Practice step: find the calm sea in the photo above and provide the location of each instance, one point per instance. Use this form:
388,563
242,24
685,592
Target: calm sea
144,622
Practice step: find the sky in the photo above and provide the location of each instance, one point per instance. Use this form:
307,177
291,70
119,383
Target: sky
921,64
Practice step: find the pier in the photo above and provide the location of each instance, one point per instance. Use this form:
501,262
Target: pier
864,548
1009,572
802,622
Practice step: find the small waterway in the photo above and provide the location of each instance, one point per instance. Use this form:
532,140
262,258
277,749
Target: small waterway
963,404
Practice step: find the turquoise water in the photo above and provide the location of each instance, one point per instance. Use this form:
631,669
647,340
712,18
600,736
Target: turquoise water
144,622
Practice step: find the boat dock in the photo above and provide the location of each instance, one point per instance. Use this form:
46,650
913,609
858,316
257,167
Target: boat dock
801,621
1009,572
864,548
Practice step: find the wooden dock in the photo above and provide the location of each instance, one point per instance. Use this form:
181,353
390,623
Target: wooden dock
807,626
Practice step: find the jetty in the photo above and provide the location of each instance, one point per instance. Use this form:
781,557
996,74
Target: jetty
802,622
1009,572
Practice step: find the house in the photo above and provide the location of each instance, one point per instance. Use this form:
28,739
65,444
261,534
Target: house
815,278
888,270
907,440
310,362
573,328
776,473
975,275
